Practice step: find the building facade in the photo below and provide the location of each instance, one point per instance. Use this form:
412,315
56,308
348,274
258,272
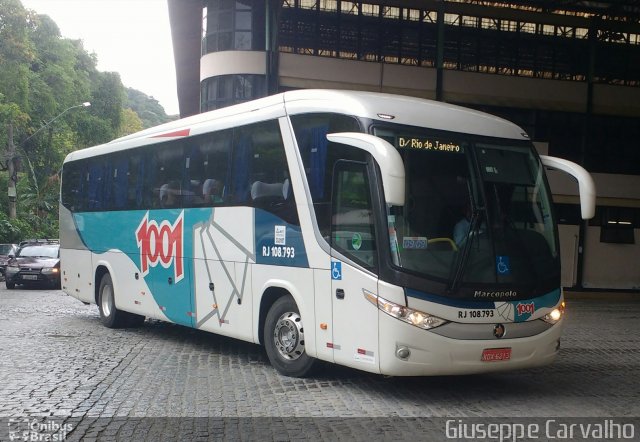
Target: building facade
567,72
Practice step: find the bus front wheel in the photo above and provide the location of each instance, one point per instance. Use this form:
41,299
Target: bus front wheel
284,339
110,315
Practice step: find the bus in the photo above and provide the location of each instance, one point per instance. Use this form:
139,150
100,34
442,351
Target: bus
391,234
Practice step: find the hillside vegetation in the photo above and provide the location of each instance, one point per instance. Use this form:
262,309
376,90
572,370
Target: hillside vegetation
42,75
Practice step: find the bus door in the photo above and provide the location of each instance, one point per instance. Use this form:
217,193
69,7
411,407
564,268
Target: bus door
353,268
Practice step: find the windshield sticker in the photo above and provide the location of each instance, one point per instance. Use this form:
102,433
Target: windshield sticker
414,242
356,241
280,235
502,265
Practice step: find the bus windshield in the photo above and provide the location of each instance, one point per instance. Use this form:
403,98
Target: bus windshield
477,211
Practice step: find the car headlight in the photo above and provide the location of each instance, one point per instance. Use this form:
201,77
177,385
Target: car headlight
555,315
410,316
50,270
12,269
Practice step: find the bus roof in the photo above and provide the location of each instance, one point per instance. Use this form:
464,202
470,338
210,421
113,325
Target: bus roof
376,106
403,109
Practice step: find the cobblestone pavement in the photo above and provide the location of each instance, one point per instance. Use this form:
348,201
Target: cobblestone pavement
58,360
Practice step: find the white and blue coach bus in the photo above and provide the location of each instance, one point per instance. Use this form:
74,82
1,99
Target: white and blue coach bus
390,234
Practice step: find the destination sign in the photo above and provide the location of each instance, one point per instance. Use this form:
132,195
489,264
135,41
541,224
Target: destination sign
429,144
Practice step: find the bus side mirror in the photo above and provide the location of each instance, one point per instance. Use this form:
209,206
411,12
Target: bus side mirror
586,185
385,155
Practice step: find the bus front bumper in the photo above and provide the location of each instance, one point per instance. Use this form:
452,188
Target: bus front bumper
429,354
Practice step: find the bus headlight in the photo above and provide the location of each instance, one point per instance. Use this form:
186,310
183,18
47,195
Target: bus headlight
410,316
555,315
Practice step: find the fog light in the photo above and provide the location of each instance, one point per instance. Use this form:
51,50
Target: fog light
403,352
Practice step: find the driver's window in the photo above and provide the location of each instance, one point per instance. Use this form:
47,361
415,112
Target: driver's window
352,220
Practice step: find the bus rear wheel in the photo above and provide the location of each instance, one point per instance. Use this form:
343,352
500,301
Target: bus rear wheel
110,315
284,339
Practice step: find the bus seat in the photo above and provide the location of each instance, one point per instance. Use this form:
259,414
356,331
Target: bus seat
164,192
286,189
263,190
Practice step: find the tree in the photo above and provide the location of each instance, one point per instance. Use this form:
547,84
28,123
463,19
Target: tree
16,52
148,109
131,122
42,75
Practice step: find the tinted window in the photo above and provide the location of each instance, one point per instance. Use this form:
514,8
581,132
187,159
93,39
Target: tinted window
319,157
168,164
241,166
72,184
260,173
208,164
353,231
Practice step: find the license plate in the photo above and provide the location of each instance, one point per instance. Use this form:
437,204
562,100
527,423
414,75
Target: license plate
30,277
496,354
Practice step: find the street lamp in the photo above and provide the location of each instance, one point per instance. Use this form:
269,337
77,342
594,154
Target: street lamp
12,158
85,104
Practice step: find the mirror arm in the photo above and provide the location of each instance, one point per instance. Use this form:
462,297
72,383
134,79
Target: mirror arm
386,156
586,185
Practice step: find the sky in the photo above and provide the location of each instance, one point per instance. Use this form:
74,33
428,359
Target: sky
131,37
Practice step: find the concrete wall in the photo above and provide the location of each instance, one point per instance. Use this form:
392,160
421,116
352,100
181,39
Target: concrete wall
304,71
611,266
605,265
232,62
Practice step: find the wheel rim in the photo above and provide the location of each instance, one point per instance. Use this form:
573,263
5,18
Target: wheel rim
288,336
106,300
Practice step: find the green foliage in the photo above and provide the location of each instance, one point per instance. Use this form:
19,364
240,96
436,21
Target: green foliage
108,98
150,112
15,230
131,123
43,77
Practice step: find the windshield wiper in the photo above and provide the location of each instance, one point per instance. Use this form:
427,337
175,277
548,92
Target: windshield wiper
462,262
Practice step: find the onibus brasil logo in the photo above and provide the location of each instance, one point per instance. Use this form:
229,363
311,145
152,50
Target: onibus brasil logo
161,244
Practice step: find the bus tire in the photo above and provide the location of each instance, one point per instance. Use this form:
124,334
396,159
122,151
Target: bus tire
110,316
284,339
134,320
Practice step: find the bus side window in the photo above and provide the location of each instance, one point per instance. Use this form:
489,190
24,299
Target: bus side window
352,221
168,165
261,176
209,166
96,184
116,183
135,181
73,186
319,157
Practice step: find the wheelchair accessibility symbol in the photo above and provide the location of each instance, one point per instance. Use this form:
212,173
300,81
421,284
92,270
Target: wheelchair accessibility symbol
336,270
502,265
